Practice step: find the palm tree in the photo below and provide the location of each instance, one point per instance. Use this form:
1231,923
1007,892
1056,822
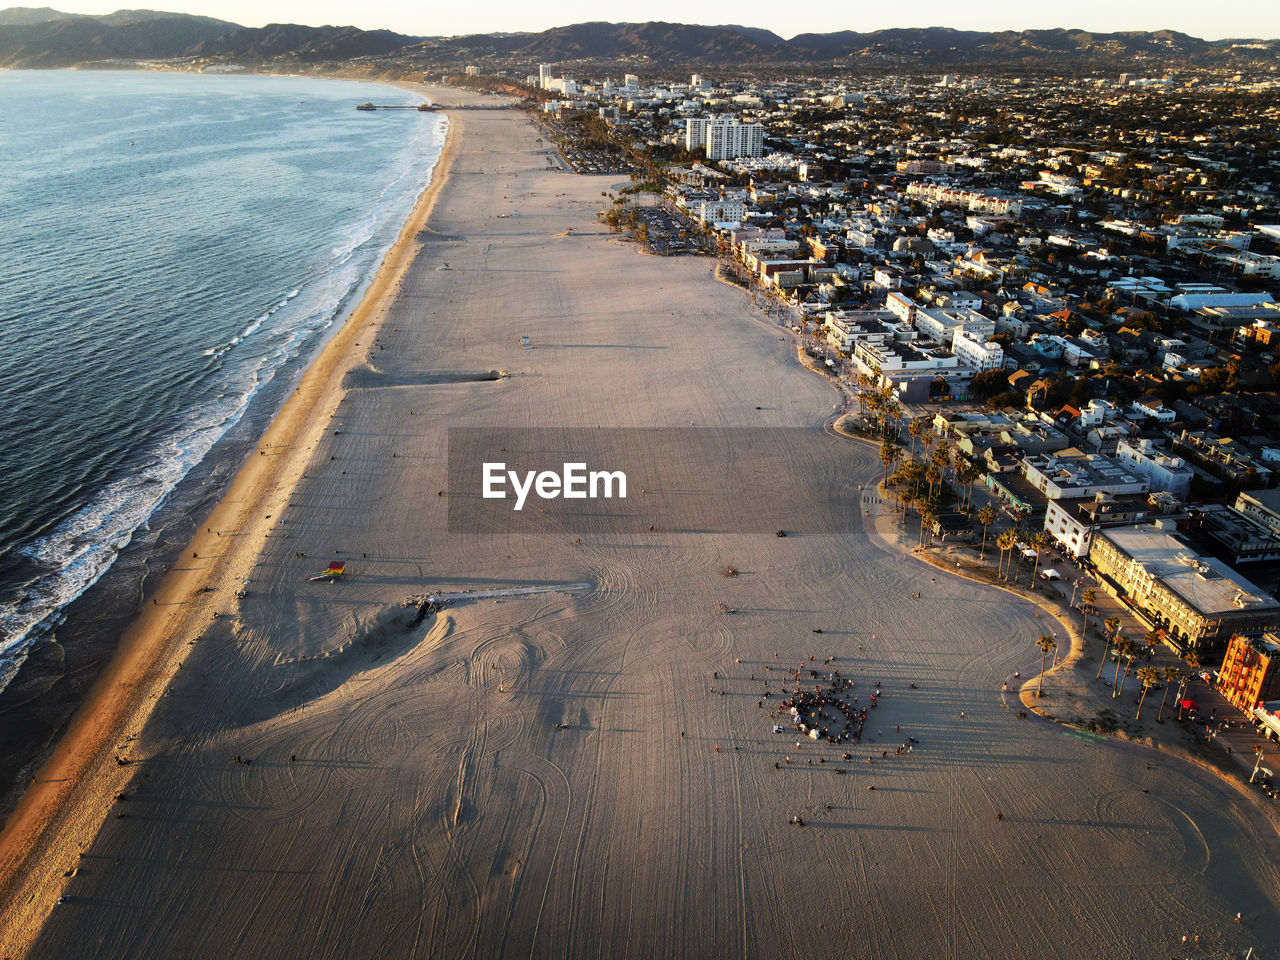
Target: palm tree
942,455
1039,540
1120,650
893,413
966,475
1151,640
1149,676
1112,627
927,517
1019,541
889,455
1131,651
1086,602
1045,643
1005,542
914,429
1171,676
902,496
986,517
933,475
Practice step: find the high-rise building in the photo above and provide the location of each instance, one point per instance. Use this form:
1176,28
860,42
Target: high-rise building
726,141
544,76
631,80
696,81
695,131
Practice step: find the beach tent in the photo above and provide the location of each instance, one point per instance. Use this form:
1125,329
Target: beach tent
1188,704
1050,574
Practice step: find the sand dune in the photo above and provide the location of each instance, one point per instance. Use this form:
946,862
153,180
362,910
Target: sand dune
539,775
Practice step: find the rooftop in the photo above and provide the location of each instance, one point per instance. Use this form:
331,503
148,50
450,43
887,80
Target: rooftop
1205,583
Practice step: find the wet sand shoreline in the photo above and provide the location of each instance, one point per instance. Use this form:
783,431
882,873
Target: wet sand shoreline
151,649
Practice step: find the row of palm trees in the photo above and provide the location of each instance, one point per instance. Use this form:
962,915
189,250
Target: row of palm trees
920,483
1011,540
1125,652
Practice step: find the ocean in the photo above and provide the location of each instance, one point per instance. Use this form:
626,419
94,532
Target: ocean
174,245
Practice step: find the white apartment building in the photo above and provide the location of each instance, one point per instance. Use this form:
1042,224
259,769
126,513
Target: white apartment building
1070,474
695,131
1165,472
1154,409
631,80
977,353
732,140
942,325
722,211
544,76
900,305
972,201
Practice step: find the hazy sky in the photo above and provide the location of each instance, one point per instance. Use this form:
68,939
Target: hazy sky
1211,19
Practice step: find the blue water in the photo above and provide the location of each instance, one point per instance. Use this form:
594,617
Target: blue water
169,241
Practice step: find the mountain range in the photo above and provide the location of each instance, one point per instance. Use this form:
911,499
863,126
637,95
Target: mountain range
33,37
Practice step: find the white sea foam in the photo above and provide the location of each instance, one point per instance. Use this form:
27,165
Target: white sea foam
80,549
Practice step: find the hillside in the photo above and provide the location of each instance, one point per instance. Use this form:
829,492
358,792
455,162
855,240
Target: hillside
43,37
46,38
303,43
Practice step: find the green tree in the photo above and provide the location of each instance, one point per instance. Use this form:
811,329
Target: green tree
1046,643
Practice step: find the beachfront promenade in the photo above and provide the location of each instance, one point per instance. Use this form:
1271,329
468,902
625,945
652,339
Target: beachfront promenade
591,773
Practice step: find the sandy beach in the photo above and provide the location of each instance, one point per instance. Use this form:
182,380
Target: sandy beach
583,772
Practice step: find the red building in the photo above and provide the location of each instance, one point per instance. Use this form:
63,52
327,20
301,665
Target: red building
1250,673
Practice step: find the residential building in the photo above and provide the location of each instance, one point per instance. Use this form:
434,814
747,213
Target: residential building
1225,457
901,306
1165,471
1250,672
1261,505
1071,523
1239,537
1072,474
721,211
941,325
695,131
976,353
731,140
1198,601
1153,409
973,201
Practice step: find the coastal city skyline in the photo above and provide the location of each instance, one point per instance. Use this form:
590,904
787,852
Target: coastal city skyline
1231,19
639,489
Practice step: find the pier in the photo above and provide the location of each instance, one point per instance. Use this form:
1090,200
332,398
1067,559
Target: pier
430,107
420,107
